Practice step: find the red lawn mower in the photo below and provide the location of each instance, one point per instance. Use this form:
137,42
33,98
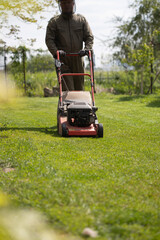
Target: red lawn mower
76,113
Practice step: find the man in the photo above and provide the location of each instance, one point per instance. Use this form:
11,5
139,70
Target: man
67,32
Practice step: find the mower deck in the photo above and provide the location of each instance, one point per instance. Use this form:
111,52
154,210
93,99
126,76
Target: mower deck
77,99
65,129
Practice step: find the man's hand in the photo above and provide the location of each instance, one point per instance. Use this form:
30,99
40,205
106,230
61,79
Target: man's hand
62,53
82,53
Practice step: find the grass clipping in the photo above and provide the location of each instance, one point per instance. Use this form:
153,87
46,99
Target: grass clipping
7,88
25,224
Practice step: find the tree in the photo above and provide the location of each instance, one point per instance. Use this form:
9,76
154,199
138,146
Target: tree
40,62
138,39
26,63
24,10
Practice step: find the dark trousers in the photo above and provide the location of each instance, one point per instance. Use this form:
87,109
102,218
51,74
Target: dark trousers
72,65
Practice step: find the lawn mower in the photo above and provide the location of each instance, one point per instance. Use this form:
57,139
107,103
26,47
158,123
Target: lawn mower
76,112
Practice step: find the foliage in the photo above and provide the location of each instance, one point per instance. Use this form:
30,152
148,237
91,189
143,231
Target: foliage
16,55
34,63
40,62
110,184
119,82
38,70
35,82
138,38
122,82
25,10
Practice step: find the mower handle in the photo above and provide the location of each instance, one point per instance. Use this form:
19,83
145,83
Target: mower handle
91,75
72,54
77,54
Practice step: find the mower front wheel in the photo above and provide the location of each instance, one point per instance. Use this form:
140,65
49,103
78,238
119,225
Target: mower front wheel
64,130
100,130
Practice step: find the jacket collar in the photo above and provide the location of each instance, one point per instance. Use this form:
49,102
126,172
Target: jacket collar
67,15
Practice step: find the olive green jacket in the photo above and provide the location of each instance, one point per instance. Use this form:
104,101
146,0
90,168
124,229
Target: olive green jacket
68,34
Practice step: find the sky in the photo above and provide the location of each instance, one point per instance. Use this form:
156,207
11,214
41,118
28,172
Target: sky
99,14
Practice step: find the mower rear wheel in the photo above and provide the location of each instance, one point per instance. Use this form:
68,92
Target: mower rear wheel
58,119
64,130
100,130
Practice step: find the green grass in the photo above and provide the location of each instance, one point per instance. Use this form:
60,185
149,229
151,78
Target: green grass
109,184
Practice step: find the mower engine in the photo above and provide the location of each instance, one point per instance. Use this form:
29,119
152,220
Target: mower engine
80,114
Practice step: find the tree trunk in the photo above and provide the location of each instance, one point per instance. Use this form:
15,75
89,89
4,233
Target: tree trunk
157,74
152,71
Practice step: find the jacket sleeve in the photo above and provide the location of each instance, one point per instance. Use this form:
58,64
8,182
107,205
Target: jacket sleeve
51,37
88,36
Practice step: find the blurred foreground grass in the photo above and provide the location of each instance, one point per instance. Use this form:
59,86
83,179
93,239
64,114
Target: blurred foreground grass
25,224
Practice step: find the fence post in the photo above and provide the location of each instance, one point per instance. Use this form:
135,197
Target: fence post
5,70
24,69
5,64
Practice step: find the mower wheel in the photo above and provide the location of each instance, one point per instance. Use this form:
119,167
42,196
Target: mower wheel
64,130
100,130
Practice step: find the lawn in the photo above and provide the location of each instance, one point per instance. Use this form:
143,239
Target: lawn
110,185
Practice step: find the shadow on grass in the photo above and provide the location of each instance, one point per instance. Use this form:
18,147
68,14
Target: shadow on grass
51,130
155,103
129,98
